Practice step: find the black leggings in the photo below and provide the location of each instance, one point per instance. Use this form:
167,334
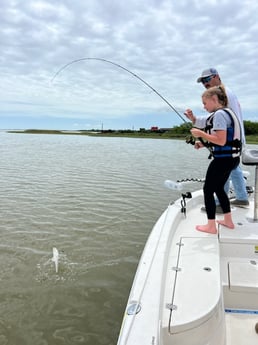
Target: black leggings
217,174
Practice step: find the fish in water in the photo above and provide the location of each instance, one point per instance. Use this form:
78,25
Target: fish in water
55,258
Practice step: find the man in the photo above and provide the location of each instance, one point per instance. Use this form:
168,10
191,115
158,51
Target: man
210,77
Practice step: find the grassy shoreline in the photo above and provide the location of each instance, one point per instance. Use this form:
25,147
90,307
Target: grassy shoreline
250,139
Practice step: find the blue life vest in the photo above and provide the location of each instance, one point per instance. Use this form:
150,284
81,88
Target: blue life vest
233,145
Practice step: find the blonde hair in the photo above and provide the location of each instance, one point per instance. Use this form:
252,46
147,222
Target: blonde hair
218,91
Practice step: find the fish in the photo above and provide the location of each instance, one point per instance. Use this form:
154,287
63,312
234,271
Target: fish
55,258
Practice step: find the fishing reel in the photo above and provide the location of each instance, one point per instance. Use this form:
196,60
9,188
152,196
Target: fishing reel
190,140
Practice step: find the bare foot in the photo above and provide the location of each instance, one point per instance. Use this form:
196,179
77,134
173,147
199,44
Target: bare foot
206,228
228,224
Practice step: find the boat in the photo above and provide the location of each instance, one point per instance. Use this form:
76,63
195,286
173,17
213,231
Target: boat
194,288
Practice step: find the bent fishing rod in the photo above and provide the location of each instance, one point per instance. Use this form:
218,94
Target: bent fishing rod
125,69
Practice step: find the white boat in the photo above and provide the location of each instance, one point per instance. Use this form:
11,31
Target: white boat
194,288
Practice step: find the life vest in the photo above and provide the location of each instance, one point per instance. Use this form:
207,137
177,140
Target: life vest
233,145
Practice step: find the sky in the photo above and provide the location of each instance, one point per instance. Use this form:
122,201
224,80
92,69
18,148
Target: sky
53,75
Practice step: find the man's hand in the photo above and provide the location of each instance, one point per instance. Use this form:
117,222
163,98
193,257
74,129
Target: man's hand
189,114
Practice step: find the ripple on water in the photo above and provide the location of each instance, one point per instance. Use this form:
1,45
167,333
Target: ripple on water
70,335
96,200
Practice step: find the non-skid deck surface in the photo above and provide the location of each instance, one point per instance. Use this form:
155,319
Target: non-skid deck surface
241,329
242,218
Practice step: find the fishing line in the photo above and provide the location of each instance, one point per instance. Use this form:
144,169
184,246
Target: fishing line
125,69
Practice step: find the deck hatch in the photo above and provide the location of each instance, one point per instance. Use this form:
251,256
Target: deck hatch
243,276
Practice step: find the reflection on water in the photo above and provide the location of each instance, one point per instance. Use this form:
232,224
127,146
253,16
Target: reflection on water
96,200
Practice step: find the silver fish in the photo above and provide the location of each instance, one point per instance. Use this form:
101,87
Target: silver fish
55,258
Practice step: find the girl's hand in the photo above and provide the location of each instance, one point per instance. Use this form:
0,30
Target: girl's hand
198,145
197,133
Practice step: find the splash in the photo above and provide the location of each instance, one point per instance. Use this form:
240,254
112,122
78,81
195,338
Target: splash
64,269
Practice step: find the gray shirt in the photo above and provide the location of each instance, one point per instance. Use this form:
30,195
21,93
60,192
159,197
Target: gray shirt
221,121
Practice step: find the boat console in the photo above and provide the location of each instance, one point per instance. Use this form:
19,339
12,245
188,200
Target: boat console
250,157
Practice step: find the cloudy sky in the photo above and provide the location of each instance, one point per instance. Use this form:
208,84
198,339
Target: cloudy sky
167,43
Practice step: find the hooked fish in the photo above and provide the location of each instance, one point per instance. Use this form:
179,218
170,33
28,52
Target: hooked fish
55,258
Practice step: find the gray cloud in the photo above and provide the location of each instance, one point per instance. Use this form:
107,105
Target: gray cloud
166,43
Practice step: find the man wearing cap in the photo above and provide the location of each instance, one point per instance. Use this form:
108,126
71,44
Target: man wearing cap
210,77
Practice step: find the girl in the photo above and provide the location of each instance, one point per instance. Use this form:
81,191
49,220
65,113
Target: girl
222,135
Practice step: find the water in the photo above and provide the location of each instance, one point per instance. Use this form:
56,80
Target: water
95,200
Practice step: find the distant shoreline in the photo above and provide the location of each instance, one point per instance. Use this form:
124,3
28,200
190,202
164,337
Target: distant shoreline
146,134
114,133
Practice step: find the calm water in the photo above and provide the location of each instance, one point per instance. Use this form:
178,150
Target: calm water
96,200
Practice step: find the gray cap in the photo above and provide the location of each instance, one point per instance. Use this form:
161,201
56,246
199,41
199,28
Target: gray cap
207,73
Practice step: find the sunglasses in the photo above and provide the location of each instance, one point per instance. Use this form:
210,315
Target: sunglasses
207,79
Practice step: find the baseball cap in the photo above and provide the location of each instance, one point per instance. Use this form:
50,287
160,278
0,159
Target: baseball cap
207,73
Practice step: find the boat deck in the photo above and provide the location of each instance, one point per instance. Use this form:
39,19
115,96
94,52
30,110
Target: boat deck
186,279
238,247
241,324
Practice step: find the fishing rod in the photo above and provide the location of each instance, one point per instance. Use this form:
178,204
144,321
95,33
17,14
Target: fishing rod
125,69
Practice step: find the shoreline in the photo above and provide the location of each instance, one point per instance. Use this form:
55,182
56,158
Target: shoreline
146,134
